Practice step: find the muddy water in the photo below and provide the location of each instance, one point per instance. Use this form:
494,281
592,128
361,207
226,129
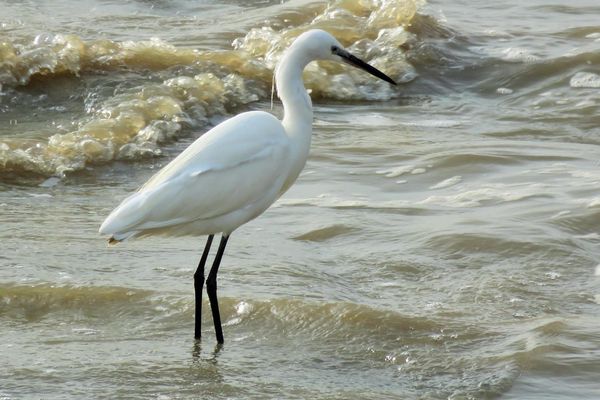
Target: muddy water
442,242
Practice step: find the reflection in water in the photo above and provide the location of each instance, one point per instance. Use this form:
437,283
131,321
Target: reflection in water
197,352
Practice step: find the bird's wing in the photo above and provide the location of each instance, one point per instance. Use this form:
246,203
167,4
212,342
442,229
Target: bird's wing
230,167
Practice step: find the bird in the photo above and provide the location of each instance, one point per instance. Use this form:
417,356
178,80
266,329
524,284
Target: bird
234,172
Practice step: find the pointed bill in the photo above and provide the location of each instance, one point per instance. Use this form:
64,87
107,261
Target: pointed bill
351,59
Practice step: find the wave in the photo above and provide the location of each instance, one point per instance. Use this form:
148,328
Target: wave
33,303
326,233
30,304
428,346
186,86
137,95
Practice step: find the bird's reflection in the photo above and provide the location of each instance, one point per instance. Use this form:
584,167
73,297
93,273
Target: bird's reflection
197,352
204,370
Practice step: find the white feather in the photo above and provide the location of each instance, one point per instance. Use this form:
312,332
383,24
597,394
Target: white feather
213,177
235,171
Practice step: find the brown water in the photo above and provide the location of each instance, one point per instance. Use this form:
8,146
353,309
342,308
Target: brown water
442,242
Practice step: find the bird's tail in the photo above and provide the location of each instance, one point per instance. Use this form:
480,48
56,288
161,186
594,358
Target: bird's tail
120,237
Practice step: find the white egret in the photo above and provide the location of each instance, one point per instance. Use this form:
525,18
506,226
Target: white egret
235,171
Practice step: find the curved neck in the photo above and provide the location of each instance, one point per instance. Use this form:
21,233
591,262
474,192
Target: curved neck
297,107
297,110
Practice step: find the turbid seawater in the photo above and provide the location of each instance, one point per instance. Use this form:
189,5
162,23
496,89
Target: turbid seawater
443,241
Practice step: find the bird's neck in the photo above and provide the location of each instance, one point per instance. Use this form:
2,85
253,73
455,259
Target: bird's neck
297,106
297,110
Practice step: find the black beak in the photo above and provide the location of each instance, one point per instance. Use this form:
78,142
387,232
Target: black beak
358,63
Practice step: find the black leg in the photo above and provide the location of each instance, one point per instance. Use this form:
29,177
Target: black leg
211,289
198,283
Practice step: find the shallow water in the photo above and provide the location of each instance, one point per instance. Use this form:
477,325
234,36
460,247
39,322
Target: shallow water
442,241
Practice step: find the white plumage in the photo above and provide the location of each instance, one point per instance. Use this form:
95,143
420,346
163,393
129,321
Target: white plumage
233,172
224,179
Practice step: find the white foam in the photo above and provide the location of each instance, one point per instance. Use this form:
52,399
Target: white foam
39,195
433,305
243,308
518,54
515,300
447,182
497,33
553,275
395,172
85,331
475,197
585,80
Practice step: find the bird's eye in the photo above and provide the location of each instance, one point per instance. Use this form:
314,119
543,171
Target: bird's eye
334,49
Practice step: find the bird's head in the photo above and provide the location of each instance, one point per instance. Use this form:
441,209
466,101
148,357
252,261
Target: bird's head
320,45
